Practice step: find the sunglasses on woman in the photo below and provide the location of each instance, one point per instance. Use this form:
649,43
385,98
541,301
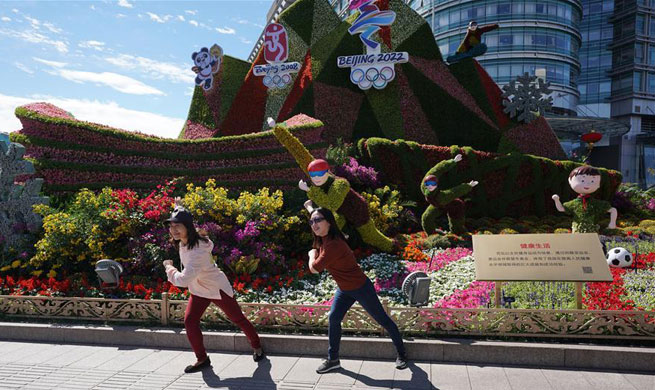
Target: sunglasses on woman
316,220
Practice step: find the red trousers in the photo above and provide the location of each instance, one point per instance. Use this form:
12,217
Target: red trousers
196,308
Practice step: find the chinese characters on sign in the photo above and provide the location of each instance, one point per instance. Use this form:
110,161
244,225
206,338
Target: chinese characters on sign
277,73
373,69
565,257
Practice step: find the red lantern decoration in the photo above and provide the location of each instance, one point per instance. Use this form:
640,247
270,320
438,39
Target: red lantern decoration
591,137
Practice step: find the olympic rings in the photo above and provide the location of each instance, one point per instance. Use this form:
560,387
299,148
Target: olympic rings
378,78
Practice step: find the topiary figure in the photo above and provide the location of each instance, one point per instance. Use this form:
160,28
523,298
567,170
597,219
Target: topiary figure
16,200
332,192
444,201
586,211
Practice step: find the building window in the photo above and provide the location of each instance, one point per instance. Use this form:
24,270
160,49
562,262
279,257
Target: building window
640,25
639,53
594,35
504,9
652,26
637,81
505,39
651,55
651,83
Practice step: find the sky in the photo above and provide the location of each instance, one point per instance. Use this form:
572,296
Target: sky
122,63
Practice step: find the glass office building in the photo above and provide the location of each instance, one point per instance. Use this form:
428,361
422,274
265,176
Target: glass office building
533,35
595,82
632,97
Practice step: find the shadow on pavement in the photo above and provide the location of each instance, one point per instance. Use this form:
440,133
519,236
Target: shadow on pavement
420,379
261,376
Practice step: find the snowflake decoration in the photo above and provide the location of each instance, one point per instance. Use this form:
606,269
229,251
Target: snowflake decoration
16,200
526,101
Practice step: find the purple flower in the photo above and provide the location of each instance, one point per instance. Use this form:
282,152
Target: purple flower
358,174
250,230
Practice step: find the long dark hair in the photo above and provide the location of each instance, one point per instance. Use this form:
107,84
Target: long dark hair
193,237
333,233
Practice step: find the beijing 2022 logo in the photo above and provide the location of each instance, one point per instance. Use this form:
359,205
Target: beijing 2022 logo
373,69
277,73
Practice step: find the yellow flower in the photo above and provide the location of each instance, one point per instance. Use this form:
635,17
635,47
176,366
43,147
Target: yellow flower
37,273
52,273
15,264
5,268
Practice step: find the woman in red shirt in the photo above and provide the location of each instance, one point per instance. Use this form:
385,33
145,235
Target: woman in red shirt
332,253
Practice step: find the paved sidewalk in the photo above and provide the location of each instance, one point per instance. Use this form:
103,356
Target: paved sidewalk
39,366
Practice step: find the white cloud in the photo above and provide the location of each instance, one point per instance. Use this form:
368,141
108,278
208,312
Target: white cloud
193,23
153,68
106,113
159,19
23,68
34,22
14,10
52,28
36,37
125,4
245,21
226,30
5,19
55,64
180,18
93,7
92,45
120,15
244,40
191,12
116,81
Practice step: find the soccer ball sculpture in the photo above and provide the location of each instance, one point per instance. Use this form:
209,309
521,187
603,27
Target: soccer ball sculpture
619,258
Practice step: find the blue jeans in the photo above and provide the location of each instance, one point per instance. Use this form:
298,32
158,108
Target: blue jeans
366,297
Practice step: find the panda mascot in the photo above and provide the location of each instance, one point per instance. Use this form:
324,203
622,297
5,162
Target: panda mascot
206,64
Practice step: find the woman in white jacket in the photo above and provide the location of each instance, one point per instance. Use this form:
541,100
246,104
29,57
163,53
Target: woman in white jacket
206,284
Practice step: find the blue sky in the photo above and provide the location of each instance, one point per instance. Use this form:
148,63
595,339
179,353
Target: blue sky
123,63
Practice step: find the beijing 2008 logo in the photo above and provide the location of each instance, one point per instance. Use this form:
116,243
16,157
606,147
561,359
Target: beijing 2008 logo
277,73
373,69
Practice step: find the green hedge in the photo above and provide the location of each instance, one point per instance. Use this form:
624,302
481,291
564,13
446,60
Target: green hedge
32,140
510,185
77,166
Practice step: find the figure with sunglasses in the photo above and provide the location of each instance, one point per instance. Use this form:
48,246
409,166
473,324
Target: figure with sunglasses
334,193
206,283
444,201
331,252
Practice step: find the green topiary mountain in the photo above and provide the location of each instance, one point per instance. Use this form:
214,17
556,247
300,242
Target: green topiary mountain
428,102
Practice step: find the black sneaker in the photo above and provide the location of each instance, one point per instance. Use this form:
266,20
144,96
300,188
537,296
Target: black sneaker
257,357
401,362
328,365
198,366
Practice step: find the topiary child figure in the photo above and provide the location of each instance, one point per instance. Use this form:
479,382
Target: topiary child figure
332,192
586,211
447,200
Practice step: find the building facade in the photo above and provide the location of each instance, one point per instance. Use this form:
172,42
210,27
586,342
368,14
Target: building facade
632,98
533,35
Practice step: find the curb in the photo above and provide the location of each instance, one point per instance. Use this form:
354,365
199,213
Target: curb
449,350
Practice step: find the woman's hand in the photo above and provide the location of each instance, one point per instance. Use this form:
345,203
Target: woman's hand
312,254
167,263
